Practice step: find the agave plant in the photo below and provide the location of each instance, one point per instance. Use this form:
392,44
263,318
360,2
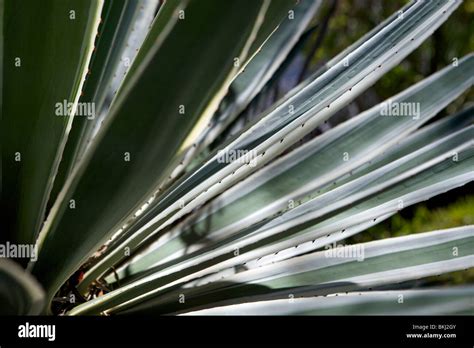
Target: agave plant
142,206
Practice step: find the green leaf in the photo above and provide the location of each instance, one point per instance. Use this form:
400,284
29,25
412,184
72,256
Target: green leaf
165,20
259,70
122,29
47,50
264,34
456,300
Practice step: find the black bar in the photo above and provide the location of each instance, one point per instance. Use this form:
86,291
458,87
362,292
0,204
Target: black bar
331,330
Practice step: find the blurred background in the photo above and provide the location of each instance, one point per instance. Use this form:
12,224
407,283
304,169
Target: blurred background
340,23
